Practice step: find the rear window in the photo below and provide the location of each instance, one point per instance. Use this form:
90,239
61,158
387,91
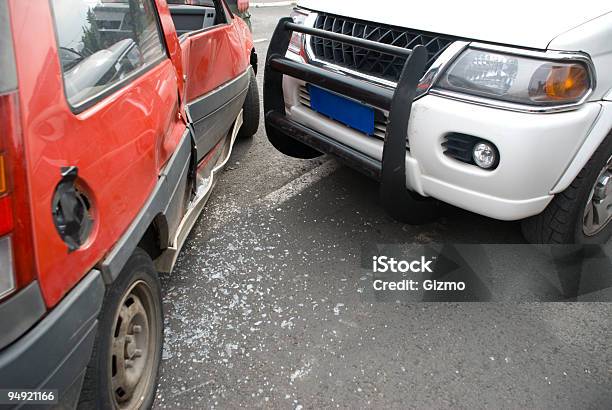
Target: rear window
104,43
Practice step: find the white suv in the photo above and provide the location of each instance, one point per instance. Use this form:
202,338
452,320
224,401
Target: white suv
503,111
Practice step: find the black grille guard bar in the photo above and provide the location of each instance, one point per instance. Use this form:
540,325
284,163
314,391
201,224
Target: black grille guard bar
398,201
348,86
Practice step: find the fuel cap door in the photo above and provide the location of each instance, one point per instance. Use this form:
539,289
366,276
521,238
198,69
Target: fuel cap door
71,211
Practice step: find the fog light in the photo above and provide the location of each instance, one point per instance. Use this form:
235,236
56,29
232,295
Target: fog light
485,155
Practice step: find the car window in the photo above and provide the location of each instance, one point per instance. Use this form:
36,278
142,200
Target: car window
102,43
8,78
196,15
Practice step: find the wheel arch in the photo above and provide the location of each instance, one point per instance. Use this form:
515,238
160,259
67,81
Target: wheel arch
596,136
156,237
150,229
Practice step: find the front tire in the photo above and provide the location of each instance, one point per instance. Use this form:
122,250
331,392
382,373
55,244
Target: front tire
123,370
582,214
251,110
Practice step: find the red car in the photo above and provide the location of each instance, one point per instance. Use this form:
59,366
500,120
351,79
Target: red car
115,116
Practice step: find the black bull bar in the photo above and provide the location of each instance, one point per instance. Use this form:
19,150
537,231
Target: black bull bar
397,200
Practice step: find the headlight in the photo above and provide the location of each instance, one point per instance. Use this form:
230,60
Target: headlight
297,39
516,79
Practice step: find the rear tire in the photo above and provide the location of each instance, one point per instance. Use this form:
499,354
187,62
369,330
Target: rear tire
124,366
564,220
251,110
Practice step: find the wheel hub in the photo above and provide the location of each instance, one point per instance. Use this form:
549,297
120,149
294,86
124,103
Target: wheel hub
130,350
598,212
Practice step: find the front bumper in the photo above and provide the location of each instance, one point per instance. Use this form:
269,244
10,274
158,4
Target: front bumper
53,355
535,149
395,198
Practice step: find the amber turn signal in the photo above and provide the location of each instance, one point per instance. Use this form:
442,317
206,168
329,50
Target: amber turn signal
560,83
567,82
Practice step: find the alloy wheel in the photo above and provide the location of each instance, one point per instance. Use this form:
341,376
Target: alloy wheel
598,211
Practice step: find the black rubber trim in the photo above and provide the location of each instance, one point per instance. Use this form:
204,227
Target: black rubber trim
157,204
349,156
213,128
273,95
55,353
218,98
273,80
394,195
20,312
212,115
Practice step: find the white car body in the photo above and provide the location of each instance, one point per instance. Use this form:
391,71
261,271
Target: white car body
541,152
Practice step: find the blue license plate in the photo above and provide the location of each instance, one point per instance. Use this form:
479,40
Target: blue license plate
348,112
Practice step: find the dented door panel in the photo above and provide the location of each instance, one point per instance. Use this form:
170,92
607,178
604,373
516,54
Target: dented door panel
217,80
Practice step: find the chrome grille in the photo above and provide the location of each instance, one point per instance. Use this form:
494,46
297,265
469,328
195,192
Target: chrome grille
304,96
380,129
385,66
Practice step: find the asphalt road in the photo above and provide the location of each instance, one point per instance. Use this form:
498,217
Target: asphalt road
266,307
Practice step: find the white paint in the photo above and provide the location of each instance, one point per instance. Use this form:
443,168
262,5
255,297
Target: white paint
300,184
519,188
592,38
524,23
598,133
260,40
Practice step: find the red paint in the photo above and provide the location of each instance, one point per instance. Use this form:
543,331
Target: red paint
119,145
204,53
172,43
6,215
